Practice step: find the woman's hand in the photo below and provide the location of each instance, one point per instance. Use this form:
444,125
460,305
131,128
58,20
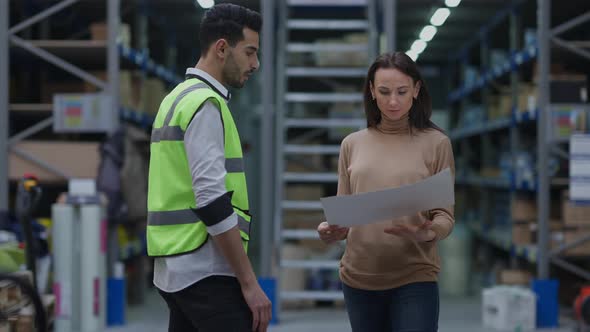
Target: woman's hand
421,233
332,233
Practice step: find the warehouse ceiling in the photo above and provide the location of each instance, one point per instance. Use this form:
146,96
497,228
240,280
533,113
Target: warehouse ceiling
461,26
177,21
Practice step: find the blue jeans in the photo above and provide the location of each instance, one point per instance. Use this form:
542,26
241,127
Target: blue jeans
410,308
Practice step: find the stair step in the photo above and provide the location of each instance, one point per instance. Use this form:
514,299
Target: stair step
310,264
329,47
311,295
327,24
301,205
326,72
301,234
310,177
325,123
325,97
312,149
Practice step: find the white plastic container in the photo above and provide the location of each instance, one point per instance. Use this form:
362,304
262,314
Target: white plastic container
509,308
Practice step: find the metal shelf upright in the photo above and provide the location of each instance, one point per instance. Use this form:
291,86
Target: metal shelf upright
541,117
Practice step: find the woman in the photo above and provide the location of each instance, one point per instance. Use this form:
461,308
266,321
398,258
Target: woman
389,270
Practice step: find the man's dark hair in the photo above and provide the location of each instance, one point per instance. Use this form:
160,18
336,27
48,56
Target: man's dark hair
226,21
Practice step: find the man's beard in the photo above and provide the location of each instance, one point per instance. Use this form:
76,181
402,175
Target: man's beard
231,73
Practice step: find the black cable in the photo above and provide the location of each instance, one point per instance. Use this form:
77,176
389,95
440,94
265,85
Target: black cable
30,292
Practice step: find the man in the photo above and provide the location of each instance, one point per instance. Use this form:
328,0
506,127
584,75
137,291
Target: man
198,221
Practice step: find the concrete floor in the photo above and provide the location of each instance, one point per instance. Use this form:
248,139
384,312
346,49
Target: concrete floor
457,315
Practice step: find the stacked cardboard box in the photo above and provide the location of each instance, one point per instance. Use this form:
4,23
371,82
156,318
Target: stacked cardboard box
525,233
129,87
76,159
576,219
152,93
99,31
356,58
514,277
527,97
524,223
524,210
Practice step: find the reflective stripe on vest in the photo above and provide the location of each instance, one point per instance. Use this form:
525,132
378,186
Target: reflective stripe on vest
181,217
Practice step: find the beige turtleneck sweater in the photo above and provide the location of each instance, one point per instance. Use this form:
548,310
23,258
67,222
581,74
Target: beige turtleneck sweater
385,157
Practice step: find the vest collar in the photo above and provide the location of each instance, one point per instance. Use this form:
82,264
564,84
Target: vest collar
209,80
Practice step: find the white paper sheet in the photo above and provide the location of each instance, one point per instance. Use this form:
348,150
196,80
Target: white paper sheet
436,191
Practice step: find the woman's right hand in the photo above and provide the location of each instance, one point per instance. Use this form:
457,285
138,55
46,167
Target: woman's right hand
332,233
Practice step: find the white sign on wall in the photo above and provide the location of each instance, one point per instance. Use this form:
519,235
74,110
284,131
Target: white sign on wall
580,167
84,113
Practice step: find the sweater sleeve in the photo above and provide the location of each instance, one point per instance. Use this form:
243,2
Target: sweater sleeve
443,218
343,173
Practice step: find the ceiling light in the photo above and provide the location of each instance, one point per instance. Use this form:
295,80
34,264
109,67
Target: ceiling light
428,33
440,16
413,55
452,3
206,4
418,46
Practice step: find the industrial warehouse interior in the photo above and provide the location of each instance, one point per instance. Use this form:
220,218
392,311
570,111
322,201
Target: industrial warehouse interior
83,94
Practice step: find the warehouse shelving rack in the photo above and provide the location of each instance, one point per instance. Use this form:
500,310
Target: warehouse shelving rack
77,57
539,117
67,55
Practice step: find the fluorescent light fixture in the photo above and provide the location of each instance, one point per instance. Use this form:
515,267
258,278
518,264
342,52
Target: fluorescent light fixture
206,4
418,46
452,3
440,16
413,55
428,33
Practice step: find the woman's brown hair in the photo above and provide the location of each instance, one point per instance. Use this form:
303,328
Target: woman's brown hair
421,110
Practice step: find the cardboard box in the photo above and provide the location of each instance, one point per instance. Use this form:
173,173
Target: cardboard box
490,172
10,293
129,86
25,323
99,31
527,97
293,219
525,233
311,163
514,277
573,213
504,105
492,107
294,279
576,214
356,58
302,192
524,209
152,93
78,160
522,234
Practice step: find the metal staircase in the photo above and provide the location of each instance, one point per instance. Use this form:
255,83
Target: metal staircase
324,49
